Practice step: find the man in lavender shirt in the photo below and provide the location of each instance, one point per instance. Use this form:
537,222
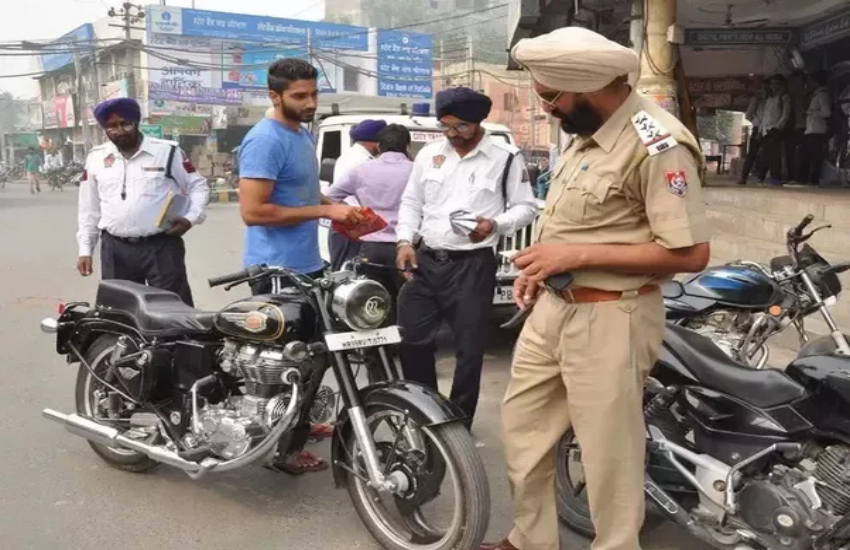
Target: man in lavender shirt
380,184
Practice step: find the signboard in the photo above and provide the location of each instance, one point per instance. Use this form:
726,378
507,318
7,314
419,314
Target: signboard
115,89
163,107
256,61
152,130
62,49
183,125
727,93
738,37
405,64
237,26
826,30
65,111
425,136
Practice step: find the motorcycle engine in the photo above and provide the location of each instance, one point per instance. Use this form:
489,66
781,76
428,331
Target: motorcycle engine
792,504
727,329
230,427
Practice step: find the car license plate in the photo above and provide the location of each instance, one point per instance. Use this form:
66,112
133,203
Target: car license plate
503,295
344,341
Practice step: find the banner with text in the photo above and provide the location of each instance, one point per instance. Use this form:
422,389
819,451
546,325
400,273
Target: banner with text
405,64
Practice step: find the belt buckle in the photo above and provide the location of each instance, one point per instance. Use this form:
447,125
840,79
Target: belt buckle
134,240
441,255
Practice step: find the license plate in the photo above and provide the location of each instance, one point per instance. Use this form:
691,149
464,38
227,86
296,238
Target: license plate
363,339
503,295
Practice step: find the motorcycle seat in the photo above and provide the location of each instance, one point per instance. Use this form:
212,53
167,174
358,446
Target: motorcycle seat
155,312
711,366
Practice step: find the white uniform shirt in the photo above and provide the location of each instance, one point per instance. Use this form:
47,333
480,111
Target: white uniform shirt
442,182
142,177
356,156
819,112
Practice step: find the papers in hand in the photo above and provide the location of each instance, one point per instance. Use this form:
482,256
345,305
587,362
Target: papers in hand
175,206
463,222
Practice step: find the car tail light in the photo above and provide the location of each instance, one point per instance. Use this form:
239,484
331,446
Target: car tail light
61,309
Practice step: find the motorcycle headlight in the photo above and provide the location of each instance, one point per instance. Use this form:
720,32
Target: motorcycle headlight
362,304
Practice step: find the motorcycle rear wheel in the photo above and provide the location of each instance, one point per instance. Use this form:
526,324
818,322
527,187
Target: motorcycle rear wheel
471,490
573,508
97,356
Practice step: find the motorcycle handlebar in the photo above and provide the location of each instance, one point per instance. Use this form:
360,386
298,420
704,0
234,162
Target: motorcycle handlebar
231,278
803,224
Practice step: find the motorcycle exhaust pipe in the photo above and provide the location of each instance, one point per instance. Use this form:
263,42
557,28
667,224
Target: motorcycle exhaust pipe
105,435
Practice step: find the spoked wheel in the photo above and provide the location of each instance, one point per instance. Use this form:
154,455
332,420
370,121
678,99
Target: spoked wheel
92,398
443,501
571,487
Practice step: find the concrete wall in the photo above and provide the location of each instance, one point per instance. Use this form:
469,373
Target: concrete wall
750,224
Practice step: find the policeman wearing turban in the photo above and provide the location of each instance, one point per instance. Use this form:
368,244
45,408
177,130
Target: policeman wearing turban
465,192
624,214
364,147
138,197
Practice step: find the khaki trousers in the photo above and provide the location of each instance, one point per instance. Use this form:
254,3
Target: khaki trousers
581,365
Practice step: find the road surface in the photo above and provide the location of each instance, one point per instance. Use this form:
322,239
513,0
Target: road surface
56,494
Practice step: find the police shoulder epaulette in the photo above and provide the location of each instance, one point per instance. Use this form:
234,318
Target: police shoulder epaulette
655,137
512,149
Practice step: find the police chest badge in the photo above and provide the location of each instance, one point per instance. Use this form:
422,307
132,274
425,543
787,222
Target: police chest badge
677,183
437,161
109,161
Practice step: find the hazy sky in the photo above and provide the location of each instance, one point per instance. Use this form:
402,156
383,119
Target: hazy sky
46,19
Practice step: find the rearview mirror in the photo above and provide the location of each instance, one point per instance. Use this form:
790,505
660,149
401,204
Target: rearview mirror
326,172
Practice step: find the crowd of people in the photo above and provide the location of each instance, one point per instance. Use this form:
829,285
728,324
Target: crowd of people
793,121
624,214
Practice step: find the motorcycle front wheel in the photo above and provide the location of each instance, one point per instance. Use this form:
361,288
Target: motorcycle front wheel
437,461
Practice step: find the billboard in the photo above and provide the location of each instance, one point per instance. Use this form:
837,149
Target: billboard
405,64
256,28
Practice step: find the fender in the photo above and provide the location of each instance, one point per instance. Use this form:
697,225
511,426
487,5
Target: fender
424,405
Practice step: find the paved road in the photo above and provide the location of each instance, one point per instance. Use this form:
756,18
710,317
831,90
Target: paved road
56,494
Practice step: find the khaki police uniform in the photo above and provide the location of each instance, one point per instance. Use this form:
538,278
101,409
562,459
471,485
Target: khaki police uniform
582,359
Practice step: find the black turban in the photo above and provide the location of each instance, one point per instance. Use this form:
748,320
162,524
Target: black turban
124,106
464,103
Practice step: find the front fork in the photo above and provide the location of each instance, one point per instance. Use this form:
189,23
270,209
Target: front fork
843,348
354,405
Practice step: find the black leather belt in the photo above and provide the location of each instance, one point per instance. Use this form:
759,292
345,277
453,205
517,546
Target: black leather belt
136,240
442,255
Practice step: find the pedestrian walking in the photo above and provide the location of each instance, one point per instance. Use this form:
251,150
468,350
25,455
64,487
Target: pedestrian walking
126,184
364,148
379,184
32,165
452,276
281,205
624,213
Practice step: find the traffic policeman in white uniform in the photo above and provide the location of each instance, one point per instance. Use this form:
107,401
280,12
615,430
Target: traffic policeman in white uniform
452,275
127,182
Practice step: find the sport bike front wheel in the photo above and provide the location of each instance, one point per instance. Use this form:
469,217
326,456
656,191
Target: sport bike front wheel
447,503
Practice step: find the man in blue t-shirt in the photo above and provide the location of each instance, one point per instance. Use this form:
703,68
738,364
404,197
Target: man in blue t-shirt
281,202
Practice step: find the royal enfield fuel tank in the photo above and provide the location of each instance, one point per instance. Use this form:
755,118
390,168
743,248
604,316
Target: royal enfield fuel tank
736,286
278,318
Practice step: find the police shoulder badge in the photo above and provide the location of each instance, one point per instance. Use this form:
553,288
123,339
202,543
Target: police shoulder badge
438,161
677,183
109,161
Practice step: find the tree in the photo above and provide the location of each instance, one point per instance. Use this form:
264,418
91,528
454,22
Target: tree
13,112
393,13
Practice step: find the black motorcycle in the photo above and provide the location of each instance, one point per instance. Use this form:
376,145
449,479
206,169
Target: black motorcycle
741,458
162,383
743,304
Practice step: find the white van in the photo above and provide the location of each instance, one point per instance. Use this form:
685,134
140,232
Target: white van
333,140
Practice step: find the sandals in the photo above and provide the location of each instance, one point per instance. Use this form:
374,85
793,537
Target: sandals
303,462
